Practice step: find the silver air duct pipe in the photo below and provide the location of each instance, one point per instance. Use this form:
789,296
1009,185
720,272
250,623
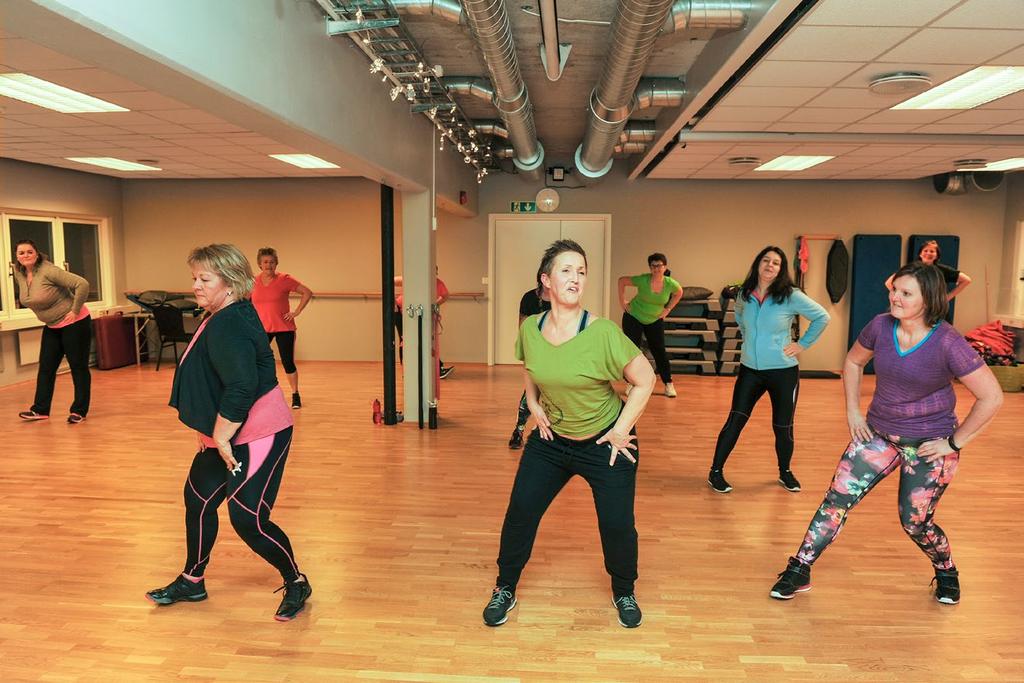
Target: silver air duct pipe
635,137
469,85
449,10
703,14
490,24
635,28
659,92
493,128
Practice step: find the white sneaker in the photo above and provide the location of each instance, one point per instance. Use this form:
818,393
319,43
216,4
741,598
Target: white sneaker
670,390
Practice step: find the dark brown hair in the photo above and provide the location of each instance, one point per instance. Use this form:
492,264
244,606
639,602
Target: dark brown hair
933,289
547,262
780,288
938,251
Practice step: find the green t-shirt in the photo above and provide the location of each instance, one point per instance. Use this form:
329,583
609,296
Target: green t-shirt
647,306
575,377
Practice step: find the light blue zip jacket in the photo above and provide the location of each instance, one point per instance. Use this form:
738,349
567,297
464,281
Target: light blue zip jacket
766,329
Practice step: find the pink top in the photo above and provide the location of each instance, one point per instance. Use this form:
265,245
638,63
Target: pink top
442,292
271,302
268,415
82,315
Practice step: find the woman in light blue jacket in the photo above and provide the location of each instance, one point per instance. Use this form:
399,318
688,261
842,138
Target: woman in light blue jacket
766,307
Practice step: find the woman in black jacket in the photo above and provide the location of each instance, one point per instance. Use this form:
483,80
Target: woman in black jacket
225,388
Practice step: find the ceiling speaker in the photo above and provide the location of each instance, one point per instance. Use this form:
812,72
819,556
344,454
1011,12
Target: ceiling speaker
547,200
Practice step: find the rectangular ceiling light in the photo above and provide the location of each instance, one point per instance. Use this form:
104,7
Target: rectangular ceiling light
969,90
304,161
1004,165
792,163
52,96
114,163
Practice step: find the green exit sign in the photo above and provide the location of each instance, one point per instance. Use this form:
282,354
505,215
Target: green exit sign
523,207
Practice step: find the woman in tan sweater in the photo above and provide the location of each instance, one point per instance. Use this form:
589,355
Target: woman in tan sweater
57,297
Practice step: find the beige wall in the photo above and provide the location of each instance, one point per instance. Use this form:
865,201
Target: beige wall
326,232
1010,279
710,230
34,188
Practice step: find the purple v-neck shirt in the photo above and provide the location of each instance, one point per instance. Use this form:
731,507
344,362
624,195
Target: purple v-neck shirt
914,394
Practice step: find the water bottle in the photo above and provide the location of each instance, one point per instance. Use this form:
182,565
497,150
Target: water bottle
378,416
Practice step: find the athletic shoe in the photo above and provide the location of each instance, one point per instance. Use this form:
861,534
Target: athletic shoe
503,599
716,480
670,390
296,401
629,611
788,481
795,579
445,371
32,415
947,586
516,442
75,418
178,590
294,601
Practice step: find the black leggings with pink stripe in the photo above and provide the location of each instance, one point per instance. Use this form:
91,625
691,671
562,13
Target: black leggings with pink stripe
250,494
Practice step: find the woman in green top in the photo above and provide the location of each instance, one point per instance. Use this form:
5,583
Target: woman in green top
643,315
571,359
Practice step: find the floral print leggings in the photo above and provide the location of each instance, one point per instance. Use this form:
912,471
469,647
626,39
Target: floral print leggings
863,465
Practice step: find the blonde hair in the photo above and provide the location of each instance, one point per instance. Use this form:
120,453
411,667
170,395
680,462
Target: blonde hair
229,263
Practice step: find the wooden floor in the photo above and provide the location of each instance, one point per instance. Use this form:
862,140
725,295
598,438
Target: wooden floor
398,531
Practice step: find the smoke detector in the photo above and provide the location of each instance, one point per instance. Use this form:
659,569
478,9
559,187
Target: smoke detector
900,83
744,161
547,200
968,164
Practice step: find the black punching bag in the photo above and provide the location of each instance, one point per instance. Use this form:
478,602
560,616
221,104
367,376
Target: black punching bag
838,272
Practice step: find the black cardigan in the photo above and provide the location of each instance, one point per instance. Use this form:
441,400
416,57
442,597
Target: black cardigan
228,368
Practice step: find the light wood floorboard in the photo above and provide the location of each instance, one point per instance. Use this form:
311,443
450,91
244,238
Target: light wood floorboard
398,531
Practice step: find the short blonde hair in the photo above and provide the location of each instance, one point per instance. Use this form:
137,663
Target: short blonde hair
229,263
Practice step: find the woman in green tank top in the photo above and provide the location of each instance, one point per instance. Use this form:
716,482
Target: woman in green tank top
570,360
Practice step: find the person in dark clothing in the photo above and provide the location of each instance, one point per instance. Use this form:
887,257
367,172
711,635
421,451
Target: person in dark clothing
532,303
930,255
225,388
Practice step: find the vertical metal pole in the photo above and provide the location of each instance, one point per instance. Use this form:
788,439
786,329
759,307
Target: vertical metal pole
387,288
419,362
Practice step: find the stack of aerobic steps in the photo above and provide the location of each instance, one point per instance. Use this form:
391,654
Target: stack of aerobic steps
732,340
691,336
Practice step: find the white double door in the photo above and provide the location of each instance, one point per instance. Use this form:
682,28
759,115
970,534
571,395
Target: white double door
517,244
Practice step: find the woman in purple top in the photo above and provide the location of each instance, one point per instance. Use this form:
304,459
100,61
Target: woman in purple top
910,425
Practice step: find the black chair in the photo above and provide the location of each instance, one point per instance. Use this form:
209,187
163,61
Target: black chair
170,323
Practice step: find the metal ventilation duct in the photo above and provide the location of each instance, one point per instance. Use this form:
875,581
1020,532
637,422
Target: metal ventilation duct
636,26
470,85
490,24
493,128
449,10
704,14
659,92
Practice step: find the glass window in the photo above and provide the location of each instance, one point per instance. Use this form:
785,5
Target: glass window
82,254
39,231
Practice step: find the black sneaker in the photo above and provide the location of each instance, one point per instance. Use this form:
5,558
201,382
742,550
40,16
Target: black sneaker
445,371
294,601
75,418
947,586
503,599
796,579
629,611
32,415
516,442
178,590
716,480
296,401
788,481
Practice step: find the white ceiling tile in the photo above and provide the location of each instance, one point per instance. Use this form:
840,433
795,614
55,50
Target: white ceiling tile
155,128
917,116
216,128
757,114
838,44
758,96
1008,129
883,151
1014,102
119,118
954,128
1001,152
28,57
985,14
954,46
1011,58
808,74
879,128
856,98
144,101
826,115
877,12
89,80
801,127
186,116
984,116
50,119
939,73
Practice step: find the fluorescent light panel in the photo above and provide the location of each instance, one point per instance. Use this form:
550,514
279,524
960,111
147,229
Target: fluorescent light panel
304,161
52,96
792,163
112,162
969,90
1004,165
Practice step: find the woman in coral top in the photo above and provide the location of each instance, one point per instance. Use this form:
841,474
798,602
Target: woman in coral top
270,297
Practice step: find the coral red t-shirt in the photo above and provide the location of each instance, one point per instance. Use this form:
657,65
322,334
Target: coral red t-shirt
271,302
442,292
